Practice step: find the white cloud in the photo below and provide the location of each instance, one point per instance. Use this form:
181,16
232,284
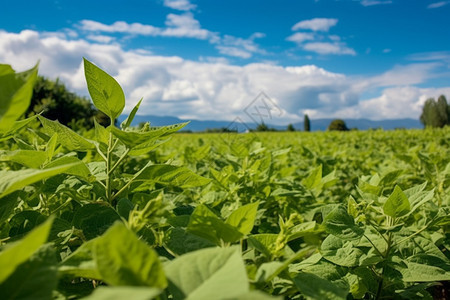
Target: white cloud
374,2
317,42
181,26
438,4
216,90
121,27
104,39
300,37
316,24
185,5
185,26
329,48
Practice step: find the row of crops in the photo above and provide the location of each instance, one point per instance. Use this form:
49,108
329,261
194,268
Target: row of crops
126,213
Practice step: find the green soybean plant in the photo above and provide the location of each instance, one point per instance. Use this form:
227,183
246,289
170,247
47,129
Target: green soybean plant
379,247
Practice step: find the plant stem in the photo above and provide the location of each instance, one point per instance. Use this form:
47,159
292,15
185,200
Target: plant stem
391,222
124,155
108,168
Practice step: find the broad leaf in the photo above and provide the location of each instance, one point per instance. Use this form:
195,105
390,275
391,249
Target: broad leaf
15,95
105,92
397,204
315,287
426,268
36,278
15,180
339,223
30,158
132,139
206,224
123,292
81,263
94,219
214,273
169,175
66,136
243,218
16,253
131,263
341,252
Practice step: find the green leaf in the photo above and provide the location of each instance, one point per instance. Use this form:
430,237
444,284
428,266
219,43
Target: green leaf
213,273
426,268
94,219
81,263
397,204
101,133
79,168
15,95
315,287
123,292
7,206
132,139
169,175
29,158
339,223
36,278
105,92
131,263
243,218
179,242
16,253
314,178
341,252
129,119
66,136
15,180
264,242
206,224
301,230
252,295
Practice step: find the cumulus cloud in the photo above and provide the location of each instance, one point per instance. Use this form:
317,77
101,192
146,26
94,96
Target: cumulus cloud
215,89
316,24
316,41
185,5
438,4
181,26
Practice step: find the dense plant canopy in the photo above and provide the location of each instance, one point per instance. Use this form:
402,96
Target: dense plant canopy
141,213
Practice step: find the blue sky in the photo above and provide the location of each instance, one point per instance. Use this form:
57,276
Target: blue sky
208,59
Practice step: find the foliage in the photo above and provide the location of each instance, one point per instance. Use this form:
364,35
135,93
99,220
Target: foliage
54,101
290,127
306,124
127,213
435,113
337,125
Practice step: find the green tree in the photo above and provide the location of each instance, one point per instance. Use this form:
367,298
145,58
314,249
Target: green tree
262,127
435,113
290,127
56,102
306,124
337,125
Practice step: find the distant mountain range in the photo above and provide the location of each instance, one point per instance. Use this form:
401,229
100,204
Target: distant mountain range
316,124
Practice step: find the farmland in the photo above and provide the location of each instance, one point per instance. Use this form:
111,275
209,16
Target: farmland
154,214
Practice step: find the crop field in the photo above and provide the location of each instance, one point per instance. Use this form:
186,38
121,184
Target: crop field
119,212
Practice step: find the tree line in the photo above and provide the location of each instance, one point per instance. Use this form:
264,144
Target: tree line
54,101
